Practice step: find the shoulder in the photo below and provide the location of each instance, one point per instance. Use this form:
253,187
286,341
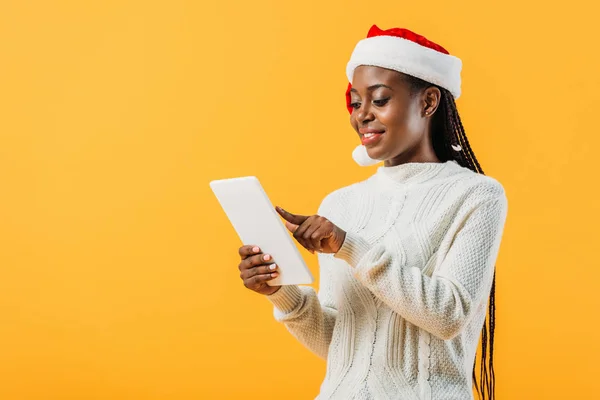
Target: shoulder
484,187
476,189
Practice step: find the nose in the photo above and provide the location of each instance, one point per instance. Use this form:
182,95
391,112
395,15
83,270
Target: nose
364,114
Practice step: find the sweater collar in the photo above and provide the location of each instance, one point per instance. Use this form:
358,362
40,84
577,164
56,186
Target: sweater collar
414,172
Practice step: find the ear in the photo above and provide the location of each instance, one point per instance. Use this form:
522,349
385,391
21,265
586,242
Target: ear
431,100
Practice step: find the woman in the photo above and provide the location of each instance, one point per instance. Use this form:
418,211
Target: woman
407,256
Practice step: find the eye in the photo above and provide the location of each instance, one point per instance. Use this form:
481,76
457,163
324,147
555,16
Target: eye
381,102
355,105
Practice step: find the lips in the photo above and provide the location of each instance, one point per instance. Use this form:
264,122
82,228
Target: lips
363,131
369,136
370,139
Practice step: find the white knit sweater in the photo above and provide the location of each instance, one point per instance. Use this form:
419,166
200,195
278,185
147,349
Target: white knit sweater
401,306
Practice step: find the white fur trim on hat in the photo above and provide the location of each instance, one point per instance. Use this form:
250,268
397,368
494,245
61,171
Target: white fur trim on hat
410,58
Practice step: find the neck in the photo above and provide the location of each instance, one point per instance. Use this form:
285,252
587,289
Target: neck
419,155
422,152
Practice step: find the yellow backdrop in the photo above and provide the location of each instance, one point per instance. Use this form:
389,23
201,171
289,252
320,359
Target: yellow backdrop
118,275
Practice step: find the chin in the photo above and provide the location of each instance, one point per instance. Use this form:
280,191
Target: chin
376,153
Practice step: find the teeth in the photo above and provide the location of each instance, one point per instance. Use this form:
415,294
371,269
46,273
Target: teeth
368,135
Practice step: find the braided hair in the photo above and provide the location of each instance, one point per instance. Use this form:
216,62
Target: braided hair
450,143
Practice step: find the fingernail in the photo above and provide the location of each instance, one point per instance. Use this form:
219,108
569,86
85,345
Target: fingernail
267,257
272,266
255,249
274,275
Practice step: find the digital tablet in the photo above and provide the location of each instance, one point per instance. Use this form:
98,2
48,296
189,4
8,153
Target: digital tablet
257,223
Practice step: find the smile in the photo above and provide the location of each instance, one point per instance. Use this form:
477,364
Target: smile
369,139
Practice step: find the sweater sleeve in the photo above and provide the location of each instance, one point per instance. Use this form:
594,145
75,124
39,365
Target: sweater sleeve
441,303
308,316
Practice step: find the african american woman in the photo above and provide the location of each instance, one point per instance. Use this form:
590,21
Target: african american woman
407,257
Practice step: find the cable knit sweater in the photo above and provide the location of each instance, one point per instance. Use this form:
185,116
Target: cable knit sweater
401,306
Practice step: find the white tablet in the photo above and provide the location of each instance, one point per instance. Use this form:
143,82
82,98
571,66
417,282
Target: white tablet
257,223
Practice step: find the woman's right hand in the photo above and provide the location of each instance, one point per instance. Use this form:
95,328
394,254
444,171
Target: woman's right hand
256,269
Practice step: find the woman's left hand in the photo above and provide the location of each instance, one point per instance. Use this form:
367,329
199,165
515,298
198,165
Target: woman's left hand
315,233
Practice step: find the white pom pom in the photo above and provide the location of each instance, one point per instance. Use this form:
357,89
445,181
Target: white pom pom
362,158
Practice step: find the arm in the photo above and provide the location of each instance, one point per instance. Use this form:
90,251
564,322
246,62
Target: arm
444,302
310,317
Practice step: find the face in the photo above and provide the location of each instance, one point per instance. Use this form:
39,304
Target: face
391,120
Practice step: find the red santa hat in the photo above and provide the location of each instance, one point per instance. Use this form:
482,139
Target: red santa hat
404,51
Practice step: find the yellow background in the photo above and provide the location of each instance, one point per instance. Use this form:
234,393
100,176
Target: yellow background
118,269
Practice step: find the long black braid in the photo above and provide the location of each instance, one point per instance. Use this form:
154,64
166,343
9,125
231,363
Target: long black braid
448,134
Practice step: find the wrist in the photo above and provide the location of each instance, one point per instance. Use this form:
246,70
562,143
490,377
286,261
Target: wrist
286,298
353,249
274,289
341,238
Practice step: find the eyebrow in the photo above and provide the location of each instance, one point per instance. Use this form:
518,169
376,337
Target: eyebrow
373,87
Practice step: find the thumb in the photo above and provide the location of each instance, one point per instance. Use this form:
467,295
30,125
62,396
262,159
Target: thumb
293,219
291,227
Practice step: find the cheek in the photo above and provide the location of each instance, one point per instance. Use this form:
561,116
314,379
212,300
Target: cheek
393,118
414,124
353,122
406,120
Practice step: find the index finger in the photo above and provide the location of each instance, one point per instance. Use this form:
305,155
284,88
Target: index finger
247,251
293,218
